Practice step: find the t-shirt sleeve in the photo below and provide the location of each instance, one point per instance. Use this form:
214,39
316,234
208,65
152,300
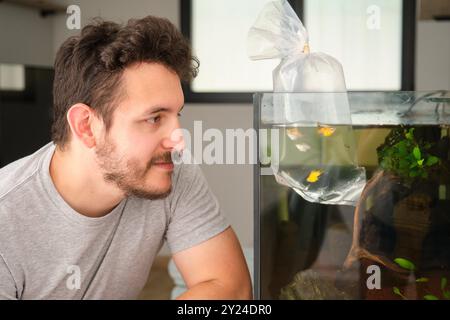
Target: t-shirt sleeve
7,284
195,212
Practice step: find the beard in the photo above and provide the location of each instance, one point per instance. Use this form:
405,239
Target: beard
128,175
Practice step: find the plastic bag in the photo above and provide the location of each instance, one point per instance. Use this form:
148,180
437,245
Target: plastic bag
311,108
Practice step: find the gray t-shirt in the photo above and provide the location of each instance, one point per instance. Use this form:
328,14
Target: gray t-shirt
49,251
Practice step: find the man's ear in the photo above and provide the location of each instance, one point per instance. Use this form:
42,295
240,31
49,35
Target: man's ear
81,119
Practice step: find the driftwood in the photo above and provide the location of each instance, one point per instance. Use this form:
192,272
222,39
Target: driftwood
356,251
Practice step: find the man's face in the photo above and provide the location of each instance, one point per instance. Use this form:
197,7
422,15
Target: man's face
135,154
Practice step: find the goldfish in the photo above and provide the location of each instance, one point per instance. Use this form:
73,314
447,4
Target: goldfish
314,176
294,133
303,147
326,131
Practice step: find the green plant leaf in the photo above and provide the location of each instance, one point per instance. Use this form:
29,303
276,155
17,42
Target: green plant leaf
432,160
402,150
416,152
405,264
397,291
443,283
421,280
403,164
430,297
410,134
420,162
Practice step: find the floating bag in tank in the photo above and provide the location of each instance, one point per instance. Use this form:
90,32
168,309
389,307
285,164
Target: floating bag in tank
310,106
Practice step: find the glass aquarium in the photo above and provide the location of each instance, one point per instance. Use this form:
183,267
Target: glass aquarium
352,195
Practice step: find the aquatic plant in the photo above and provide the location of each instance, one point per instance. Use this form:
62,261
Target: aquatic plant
405,264
406,156
408,265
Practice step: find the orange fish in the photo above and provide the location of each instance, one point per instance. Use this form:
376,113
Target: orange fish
314,176
326,131
294,133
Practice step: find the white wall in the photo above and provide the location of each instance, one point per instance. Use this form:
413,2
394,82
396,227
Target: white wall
232,184
433,55
25,37
115,10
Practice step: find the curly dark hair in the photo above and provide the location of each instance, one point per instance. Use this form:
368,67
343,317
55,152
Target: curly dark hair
89,67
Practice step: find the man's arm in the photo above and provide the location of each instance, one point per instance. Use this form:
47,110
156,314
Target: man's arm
215,269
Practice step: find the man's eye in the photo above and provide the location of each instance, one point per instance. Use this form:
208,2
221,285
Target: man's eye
154,119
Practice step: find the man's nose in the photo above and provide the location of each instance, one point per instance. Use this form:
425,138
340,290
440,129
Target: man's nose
174,140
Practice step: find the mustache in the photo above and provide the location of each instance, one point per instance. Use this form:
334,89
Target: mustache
166,157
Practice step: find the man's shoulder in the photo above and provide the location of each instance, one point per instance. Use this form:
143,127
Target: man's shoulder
20,172
185,173
185,176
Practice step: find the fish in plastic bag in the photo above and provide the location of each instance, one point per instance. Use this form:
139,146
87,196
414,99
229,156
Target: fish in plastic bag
310,105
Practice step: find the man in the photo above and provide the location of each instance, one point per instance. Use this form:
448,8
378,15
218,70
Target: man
84,216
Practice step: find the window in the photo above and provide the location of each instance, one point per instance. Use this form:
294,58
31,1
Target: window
365,36
375,54
218,33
